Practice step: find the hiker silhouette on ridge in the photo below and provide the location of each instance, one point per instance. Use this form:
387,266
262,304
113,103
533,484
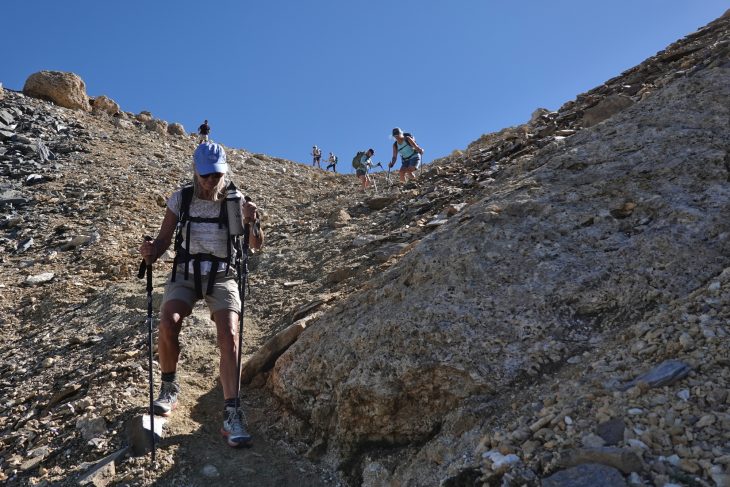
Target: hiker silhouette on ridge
204,131
203,249
332,162
316,156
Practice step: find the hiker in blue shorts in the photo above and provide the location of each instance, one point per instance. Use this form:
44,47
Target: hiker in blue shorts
410,154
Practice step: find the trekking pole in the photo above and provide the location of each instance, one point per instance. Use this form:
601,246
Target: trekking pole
242,284
146,268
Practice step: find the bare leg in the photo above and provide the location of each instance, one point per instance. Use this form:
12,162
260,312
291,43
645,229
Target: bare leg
171,316
226,322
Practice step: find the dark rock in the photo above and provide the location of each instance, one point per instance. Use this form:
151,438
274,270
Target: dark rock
43,152
379,202
664,374
612,431
22,139
339,275
6,117
587,475
103,472
623,459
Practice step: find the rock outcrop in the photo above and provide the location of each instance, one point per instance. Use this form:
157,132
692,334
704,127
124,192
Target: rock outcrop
67,90
104,104
176,129
156,125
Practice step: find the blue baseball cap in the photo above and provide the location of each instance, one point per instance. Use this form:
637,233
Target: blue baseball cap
209,158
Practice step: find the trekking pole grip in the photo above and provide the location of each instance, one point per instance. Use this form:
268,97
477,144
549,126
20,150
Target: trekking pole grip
143,264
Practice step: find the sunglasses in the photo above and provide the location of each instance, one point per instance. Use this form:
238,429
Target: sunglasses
214,175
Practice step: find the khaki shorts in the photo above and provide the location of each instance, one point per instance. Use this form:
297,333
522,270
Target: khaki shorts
224,296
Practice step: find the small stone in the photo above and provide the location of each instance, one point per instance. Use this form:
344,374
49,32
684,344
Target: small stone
635,480
612,431
634,443
91,427
705,421
210,471
683,394
686,341
501,463
592,441
39,279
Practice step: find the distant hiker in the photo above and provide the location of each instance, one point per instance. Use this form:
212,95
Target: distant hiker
362,163
316,156
203,248
332,162
410,154
204,131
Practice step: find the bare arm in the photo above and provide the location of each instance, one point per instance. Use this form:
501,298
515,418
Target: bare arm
255,241
395,155
153,249
413,144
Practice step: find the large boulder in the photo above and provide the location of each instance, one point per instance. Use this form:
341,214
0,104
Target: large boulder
606,225
156,125
143,116
2,92
176,129
64,89
104,104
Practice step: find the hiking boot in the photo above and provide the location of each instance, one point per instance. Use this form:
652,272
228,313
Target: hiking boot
167,400
233,429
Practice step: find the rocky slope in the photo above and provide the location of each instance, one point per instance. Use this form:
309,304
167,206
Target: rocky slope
482,326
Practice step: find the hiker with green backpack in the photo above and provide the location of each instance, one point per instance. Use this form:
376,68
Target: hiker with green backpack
361,163
410,153
213,226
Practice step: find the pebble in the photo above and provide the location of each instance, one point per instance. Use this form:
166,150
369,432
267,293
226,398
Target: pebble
210,471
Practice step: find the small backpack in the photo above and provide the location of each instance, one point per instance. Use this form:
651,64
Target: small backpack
356,160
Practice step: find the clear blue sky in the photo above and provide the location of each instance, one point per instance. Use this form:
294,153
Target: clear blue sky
278,76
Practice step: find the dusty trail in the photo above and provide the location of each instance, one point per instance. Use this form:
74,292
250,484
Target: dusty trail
192,451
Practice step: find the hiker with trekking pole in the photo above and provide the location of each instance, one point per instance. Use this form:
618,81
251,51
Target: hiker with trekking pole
213,227
362,163
410,153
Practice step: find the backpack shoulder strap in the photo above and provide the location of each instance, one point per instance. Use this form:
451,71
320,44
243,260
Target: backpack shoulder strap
186,197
